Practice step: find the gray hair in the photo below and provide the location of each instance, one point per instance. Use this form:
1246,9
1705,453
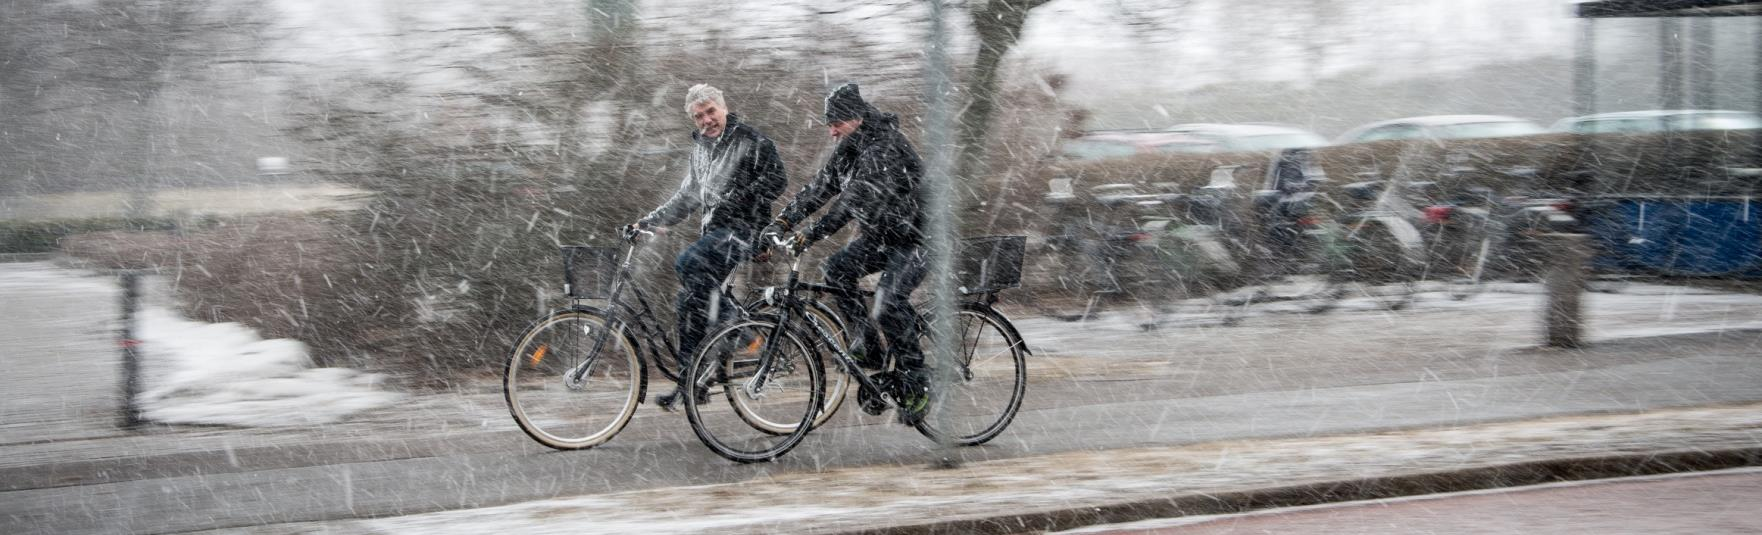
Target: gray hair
702,93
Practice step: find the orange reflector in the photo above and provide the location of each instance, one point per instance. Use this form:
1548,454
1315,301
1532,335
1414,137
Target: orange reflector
753,347
540,354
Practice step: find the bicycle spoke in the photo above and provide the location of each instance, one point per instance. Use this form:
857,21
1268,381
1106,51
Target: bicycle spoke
993,375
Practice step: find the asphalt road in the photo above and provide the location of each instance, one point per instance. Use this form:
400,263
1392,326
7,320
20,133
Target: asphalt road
1702,503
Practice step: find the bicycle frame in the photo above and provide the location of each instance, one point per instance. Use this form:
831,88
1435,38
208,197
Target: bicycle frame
636,317
791,304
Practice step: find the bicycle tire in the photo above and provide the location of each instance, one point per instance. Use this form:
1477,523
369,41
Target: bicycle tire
1378,261
549,406
731,355
838,384
1471,272
989,365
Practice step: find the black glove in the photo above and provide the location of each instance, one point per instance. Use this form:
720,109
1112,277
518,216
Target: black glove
633,231
796,243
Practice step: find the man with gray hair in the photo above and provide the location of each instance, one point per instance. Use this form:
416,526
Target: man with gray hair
733,177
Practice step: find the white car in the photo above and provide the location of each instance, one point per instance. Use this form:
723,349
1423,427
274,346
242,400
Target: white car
1443,127
1110,144
1196,138
1250,137
1639,122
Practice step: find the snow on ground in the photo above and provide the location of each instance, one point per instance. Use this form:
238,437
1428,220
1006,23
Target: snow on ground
218,374
1506,315
31,278
225,374
879,496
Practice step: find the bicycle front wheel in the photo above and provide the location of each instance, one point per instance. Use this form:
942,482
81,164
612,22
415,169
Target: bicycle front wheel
573,380
838,379
978,387
774,384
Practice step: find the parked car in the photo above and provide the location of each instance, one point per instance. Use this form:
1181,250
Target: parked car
1644,121
1195,138
1250,137
1108,144
1443,127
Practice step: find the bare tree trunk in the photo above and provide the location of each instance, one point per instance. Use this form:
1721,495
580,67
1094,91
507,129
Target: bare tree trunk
998,24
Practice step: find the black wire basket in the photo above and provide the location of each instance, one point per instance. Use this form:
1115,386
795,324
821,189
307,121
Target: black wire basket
588,271
989,264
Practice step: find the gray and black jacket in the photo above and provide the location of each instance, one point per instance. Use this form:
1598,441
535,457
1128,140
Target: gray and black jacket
876,175
733,178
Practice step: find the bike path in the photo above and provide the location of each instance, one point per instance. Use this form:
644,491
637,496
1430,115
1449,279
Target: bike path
1698,502
1079,488
459,452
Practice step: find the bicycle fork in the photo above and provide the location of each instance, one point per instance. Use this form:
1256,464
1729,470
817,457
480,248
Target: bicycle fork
578,374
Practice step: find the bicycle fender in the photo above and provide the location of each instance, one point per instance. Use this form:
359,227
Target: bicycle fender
1005,322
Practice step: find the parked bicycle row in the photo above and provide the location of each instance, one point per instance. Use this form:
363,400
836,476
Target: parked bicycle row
1287,235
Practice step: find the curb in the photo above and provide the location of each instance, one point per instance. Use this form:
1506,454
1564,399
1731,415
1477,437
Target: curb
229,460
1467,479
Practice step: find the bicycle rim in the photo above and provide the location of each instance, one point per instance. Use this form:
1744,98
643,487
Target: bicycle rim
977,399
762,423
837,378
545,398
1471,276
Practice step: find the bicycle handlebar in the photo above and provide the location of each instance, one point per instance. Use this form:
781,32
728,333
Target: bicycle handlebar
787,245
634,234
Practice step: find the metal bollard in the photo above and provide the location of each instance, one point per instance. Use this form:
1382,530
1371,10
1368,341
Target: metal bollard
131,364
1564,278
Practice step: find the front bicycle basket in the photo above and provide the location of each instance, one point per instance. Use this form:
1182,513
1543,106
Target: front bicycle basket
588,271
989,263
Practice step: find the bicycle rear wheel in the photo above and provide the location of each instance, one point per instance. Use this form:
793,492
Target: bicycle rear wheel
768,411
1384,268
572,381
973,402
1469,274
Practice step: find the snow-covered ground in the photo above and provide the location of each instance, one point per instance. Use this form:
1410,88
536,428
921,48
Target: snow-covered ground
1507,315
224,373
193,372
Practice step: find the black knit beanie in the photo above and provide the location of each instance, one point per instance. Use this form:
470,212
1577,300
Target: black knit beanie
844,104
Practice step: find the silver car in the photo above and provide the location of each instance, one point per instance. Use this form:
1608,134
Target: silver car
1251,137
1443,127
1646,121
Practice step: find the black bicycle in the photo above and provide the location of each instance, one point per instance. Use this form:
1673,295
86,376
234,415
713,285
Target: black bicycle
576,376
768,366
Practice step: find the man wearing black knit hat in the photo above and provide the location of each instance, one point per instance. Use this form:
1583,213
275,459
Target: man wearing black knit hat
875,174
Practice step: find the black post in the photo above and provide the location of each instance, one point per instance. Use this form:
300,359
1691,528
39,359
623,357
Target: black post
131,364
1564,279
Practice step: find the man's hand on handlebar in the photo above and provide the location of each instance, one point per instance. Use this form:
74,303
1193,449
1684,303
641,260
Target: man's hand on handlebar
792,244
637,231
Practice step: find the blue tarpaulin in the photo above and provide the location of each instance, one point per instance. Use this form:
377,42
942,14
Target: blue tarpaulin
1699,236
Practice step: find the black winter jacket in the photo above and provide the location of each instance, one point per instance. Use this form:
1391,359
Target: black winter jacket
876,175
733,178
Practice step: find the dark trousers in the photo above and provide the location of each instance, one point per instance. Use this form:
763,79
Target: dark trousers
902,269
702,268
